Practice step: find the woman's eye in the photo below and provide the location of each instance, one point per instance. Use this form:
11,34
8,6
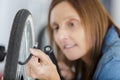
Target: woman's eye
71,24
55,28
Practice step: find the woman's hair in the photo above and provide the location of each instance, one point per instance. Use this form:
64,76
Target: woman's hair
96,22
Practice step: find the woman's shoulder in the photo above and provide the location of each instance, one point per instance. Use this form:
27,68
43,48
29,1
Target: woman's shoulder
108,67
111,45
112,53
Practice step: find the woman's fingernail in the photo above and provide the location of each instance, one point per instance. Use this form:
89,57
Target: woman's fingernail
31,50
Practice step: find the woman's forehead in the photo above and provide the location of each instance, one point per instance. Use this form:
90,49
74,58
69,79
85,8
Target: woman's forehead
63,11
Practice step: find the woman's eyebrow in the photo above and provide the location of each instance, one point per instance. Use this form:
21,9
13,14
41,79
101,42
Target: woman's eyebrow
73,17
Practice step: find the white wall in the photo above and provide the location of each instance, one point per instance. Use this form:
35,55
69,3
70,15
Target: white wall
115,11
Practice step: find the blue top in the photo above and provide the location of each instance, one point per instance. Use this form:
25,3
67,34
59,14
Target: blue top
108,67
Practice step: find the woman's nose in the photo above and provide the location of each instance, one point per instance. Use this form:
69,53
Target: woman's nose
63,35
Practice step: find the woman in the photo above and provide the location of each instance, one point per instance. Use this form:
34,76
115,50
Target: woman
85,39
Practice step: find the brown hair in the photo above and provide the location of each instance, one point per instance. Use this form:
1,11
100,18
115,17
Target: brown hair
96,21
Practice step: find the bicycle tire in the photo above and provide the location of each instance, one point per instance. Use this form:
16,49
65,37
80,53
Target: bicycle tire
14,46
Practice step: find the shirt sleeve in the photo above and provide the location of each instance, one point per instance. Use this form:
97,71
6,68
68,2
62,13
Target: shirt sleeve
110,71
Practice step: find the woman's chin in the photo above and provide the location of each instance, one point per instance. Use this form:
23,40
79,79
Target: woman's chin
72,58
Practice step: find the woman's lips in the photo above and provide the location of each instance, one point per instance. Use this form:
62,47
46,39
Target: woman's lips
69,46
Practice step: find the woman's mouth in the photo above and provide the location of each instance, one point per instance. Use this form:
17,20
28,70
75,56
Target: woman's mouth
69,46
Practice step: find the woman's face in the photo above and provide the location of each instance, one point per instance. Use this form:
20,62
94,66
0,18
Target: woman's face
68,31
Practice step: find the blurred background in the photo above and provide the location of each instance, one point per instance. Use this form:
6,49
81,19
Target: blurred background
39,10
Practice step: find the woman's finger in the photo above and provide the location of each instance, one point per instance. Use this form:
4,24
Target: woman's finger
40,54
32,67
28,70
32,74
34,63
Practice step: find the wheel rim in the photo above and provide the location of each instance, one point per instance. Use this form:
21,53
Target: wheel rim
26,43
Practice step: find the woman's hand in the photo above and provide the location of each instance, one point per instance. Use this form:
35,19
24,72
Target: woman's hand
66,72
41,67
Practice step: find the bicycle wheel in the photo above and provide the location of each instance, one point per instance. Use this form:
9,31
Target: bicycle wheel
21,39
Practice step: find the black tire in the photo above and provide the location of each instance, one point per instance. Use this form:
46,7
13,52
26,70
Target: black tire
15,44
